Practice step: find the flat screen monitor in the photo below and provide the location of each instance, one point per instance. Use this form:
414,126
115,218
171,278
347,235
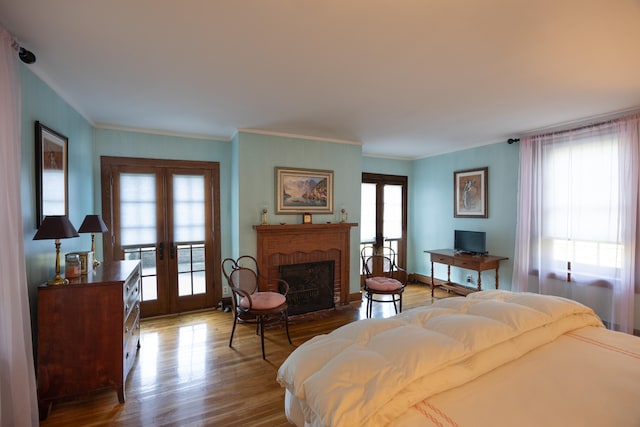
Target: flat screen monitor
470,242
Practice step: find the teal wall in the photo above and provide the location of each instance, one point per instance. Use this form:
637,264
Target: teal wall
387,166
432,213
260,154
40,103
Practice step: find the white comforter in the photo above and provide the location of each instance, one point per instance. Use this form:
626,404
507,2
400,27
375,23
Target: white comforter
370,371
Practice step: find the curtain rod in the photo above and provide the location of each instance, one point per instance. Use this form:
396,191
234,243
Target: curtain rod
578,124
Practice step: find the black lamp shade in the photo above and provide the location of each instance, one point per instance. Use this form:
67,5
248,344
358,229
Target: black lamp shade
55,227
93,224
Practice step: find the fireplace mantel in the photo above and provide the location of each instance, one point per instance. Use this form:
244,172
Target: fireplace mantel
298,243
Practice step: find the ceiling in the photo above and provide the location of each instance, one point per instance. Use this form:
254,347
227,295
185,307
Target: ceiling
406,78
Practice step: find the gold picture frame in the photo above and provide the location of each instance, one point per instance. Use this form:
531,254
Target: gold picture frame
300,191
470,191
306,218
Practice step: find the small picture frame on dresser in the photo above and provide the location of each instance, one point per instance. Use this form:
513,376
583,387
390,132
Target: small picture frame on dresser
86,261
306,218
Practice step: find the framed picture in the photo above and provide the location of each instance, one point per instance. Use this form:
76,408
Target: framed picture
300,191
51,173
470,193
306,218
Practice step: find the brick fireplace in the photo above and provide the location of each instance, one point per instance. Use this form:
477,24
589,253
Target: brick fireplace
306,243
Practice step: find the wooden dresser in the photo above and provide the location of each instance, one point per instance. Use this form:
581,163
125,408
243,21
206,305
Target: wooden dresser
88,333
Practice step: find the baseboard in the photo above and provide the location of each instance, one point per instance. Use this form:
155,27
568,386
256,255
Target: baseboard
420,278
357,296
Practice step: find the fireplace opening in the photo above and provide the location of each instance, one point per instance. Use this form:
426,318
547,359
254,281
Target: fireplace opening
311,286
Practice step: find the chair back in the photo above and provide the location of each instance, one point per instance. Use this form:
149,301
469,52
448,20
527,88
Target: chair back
244,279
248,261
378,263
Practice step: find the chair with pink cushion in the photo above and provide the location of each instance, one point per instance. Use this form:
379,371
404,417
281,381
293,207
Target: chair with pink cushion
249,303
382,277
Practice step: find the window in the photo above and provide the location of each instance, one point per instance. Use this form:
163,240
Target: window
577,233
580,197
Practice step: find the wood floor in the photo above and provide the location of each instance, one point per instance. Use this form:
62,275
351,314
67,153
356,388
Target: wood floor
186,375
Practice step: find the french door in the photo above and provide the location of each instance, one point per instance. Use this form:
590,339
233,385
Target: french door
165,213
383,213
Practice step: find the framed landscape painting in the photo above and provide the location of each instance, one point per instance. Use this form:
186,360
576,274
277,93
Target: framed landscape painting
470,193
300,191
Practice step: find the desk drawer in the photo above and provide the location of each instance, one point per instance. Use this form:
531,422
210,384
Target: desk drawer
466,264
443,259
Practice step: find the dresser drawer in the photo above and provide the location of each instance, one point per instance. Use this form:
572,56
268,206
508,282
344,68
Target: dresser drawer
131,284
131,292
131,326
131,338
133,298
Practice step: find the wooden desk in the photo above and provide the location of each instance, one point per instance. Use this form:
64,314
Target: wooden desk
477,263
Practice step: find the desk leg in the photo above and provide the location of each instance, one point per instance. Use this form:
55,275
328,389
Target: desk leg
432,284
497,267
479,280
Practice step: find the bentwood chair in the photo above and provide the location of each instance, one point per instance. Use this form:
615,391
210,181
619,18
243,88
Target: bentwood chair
384,281
249,304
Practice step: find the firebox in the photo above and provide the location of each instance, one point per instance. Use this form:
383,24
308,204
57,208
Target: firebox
311,286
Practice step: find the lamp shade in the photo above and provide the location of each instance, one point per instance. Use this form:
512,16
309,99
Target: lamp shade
55,227
93,224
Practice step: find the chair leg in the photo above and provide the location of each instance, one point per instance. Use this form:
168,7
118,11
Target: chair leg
400,303
235,320
395,307
286,325
261,322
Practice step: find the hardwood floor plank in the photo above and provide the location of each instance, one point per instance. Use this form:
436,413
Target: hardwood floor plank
186,375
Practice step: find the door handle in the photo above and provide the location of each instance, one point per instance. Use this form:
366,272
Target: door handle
161,251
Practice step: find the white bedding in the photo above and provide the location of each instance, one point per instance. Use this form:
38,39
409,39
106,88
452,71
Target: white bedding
373,371
587,377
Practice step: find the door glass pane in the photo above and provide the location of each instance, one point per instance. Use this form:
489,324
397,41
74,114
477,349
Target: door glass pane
392,222
368,213
137,209
191,269
188,208
147,256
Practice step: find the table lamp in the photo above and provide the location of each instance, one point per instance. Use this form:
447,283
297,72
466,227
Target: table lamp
93,224
56,227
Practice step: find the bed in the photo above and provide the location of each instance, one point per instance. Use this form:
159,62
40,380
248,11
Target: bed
492,358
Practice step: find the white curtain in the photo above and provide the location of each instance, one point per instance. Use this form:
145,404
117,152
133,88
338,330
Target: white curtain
576,232
18,405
